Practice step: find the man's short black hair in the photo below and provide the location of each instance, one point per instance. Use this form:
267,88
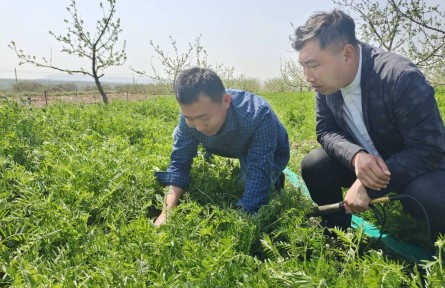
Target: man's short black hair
192,83
333,30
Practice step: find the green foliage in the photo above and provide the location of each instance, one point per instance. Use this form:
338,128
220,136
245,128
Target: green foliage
435,269
297,112
78,195
245,83
440,98
277,84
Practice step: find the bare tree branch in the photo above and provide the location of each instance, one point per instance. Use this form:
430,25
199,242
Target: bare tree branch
173,65
98,49
416,20
293,75
407,27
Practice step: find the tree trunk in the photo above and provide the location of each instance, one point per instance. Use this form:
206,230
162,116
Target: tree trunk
101,90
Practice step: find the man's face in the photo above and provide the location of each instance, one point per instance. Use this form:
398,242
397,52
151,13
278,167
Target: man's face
206,116
325,69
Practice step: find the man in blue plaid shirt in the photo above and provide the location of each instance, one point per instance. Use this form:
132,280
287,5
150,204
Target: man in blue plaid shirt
228,123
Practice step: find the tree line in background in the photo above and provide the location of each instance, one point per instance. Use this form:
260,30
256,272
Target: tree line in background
408,27
31,88
411,28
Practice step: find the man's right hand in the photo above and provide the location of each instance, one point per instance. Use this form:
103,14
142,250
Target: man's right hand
162,218
372,171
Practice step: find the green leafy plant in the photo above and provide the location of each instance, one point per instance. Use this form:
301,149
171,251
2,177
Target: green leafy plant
78,198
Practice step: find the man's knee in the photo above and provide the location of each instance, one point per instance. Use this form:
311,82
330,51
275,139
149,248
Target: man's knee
317,164
313,162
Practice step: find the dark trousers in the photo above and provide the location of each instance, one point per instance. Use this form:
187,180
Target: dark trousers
325,176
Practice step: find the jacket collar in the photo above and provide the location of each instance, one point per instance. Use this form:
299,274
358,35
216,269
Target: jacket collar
367,63
231,122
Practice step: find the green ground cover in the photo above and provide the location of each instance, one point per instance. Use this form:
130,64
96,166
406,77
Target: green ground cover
78,198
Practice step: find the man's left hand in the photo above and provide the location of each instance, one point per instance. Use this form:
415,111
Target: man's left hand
371,170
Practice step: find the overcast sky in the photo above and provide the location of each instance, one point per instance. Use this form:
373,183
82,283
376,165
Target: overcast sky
251,35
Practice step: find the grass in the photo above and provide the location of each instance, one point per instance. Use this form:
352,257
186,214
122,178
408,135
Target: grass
78,198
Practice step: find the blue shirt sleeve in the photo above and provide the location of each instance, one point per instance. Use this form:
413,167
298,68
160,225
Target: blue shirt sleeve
260,161
181,158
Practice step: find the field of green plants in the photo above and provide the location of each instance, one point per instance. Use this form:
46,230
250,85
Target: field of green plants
78,198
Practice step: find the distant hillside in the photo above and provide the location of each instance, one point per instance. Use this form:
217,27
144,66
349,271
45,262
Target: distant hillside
8,83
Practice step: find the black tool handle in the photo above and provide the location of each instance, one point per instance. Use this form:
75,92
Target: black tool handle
327,209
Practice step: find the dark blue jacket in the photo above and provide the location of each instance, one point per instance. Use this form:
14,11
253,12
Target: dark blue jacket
400,114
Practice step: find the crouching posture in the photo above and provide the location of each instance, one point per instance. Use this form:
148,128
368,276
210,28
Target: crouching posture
378,124
228,123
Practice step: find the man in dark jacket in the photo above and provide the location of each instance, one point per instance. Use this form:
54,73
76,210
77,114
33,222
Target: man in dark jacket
377,122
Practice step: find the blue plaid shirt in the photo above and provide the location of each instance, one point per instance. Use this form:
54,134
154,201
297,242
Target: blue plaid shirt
252,133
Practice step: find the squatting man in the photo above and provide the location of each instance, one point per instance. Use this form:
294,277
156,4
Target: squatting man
378,124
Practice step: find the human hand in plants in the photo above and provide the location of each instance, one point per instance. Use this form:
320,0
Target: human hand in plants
170,201
356,199
371,170
162,218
